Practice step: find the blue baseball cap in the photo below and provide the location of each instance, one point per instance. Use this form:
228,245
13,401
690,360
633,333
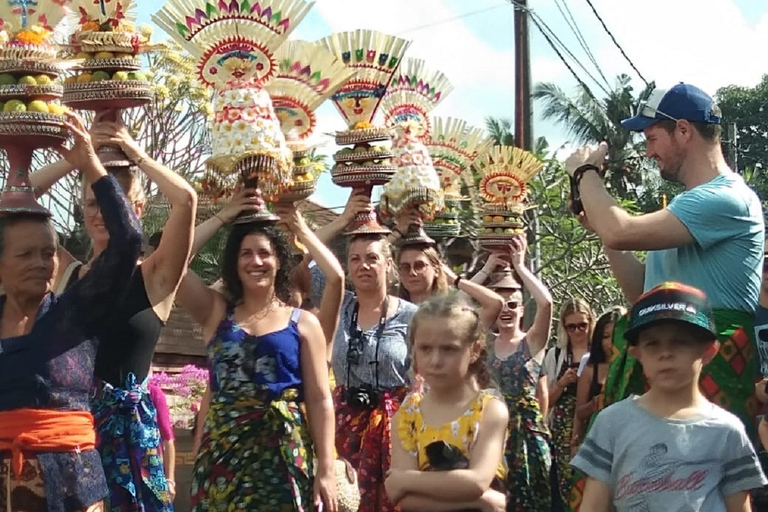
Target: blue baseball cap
682,101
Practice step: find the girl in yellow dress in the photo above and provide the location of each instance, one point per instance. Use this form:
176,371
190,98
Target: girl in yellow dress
447,451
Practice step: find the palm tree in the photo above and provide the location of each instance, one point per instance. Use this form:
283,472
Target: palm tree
591,121
500,130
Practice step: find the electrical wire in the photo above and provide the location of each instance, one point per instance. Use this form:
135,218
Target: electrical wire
567,15
448,20
615,42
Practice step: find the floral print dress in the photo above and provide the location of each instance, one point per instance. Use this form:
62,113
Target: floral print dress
256,452
527,451
562,431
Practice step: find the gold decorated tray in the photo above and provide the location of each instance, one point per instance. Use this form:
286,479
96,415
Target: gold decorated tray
107,94
29,67
26,92
362,156
378,134
115,64
39,130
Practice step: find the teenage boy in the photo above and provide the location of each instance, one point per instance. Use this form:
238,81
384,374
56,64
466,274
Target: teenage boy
669,449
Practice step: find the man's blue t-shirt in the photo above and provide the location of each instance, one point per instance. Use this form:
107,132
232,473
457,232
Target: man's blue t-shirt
725,218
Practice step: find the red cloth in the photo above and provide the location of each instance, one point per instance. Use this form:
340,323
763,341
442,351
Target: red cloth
163,414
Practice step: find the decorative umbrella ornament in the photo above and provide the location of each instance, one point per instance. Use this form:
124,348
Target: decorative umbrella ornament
367,163
234,44
414,92
307,75
454,146
31,116
504,173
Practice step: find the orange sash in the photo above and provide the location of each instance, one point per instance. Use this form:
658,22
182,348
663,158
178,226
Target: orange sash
40,430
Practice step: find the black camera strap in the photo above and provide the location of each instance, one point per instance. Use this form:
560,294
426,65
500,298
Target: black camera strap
354,329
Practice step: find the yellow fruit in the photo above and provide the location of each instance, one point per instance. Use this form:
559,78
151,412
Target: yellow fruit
498,218
488,218
84,78
70,80
55,108
43,80
27,80
38,106
15,106
104,55
83,55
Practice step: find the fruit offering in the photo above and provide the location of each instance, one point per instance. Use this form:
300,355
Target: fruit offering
108,46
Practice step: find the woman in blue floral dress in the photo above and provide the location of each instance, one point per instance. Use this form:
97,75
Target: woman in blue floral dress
516,358
258,451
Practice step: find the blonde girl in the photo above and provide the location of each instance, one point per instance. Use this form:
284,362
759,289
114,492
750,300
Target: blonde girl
458,427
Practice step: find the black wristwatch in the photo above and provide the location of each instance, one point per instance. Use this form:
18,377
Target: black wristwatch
579,173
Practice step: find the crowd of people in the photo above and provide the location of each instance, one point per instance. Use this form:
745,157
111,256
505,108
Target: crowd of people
425,389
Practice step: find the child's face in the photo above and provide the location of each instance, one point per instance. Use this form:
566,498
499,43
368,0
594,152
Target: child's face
441,357
671,355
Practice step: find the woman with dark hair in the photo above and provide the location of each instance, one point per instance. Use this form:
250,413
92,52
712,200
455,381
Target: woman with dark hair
258,450
48,460
370,357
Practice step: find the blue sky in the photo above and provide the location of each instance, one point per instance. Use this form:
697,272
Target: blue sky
711,43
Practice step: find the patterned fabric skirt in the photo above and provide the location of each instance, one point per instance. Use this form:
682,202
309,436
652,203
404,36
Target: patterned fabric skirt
363,437
129,443
728,380
528,458
562,431
26,493
254,455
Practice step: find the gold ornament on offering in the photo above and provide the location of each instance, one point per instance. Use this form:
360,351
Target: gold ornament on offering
235,45
454,146
368,162
414,92
307,75
504,173
31,116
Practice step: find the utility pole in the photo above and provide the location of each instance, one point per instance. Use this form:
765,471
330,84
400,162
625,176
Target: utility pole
523,131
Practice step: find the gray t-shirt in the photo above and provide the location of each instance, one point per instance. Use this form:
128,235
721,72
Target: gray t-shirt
655,464
393,353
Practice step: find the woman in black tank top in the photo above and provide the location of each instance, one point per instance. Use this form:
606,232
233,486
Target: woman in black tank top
125,417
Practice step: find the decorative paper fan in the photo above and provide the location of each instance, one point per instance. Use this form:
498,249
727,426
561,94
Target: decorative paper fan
18,15
505,172
454,145
307,75
413,93
375,57
232,38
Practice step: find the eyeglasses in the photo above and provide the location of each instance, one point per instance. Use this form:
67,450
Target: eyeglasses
418,267
576,327
645,110
512,304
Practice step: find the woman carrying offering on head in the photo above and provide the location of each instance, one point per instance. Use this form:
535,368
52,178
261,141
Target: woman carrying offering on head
128,436
370,358
48,460
447,450
516,364
258,450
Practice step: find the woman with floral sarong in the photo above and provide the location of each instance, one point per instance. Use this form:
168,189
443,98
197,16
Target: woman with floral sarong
258,450
370,359
48,460
128,436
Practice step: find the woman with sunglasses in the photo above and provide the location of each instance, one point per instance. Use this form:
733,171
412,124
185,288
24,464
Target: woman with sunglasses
370,357
516,358
574,330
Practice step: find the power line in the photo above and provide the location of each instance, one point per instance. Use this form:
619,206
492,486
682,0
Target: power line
448,20
565,11
615,42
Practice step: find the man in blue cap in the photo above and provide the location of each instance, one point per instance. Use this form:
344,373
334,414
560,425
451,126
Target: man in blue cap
709,237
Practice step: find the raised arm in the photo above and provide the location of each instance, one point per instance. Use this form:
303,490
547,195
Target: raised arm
357,202
459,484
538,335
628,271
490,302
333,292
164,268
98,292
246,199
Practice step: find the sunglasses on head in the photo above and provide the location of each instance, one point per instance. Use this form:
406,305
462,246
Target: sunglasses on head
582,326
645,110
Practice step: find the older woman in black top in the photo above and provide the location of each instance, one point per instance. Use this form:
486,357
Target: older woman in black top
47,349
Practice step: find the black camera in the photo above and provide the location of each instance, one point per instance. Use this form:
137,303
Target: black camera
363,397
